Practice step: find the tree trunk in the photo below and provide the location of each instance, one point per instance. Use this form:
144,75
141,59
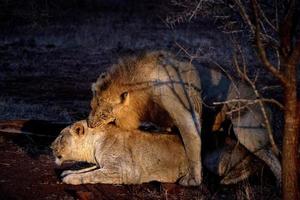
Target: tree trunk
291,137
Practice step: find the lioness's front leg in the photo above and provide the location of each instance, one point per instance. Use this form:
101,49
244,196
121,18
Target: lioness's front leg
188,123
67,172
106,176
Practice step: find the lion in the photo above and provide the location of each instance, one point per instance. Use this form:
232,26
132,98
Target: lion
157,87
153,87
246,117
134,157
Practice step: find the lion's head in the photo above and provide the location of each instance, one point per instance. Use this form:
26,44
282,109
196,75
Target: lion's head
108,100
68,143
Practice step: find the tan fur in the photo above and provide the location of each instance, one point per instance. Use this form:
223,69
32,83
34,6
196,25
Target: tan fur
122,157
134,157
154,87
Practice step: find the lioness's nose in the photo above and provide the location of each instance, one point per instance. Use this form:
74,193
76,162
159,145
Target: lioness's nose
52,146
54,143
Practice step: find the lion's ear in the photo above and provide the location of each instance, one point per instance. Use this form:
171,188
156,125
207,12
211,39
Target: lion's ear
125,98
103,75
78,129
94,88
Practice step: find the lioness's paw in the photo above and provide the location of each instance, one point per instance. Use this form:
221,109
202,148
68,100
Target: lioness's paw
73,179
190,180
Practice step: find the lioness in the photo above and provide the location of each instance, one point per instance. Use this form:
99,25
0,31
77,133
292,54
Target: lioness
156,87
134,157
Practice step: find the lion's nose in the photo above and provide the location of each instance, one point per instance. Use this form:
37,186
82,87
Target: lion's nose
91,124
90,121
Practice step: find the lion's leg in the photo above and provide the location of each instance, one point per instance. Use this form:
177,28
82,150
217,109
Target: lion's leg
106,176
67,172
250,132
271,160
192,144
189,127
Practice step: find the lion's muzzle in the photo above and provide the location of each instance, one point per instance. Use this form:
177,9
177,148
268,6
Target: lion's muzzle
92,123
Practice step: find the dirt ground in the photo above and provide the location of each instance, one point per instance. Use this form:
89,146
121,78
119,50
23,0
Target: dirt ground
28,171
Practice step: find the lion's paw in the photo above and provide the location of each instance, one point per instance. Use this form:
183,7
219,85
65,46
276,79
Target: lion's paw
190,180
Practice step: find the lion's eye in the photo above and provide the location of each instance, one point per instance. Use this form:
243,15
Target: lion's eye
124,95
104,116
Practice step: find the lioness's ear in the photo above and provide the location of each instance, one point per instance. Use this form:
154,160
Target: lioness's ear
125,98
78,129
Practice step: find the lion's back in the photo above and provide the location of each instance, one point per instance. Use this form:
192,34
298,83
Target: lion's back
153,66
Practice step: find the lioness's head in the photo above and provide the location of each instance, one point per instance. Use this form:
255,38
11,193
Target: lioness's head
106,103
69,143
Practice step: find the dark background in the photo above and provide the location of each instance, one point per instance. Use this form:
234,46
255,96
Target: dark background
51,51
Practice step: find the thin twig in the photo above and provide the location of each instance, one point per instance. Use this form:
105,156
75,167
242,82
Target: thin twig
250,102
195,10
265,18
261,49
259,99
244,15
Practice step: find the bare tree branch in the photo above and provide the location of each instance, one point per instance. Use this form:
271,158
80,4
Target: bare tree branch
244,15
245,76
250,102
261,49
195,11
266,19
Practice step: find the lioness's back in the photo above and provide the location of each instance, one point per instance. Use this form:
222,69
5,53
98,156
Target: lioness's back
153,154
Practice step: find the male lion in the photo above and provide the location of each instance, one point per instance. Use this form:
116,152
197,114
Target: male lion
134,157
153,87
246,117
156,87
